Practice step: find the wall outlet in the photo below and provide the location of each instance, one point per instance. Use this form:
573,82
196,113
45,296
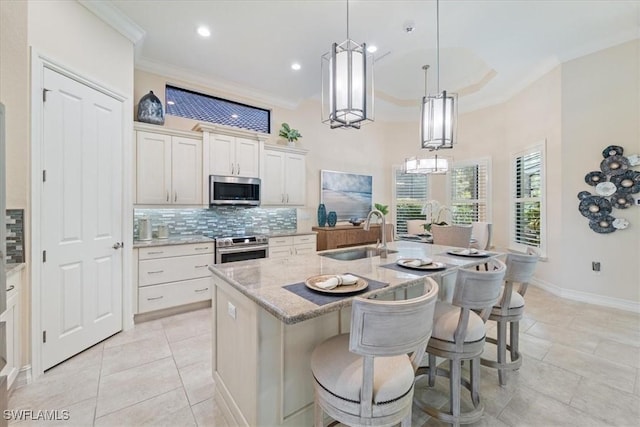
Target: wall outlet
595,265
231,310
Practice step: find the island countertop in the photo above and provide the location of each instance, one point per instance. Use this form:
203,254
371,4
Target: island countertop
262,280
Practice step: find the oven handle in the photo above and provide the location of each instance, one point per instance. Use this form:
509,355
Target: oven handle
223,251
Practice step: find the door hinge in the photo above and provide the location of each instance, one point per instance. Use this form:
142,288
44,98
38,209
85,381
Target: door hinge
44,176
44,94
44,256
44,336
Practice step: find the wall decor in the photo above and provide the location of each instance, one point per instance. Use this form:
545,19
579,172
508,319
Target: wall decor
614,184
348,194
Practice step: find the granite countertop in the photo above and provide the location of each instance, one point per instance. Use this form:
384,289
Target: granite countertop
290,233
172,240
262,280
13,268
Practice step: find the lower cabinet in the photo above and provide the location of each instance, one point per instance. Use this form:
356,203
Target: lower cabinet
174,275
11,317
281,247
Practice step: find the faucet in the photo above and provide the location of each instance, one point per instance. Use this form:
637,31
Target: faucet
383,230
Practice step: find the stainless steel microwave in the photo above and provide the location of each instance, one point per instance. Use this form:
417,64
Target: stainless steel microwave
234,190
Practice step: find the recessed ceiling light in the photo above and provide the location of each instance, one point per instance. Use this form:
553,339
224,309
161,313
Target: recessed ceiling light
170,102
295,66
204,31
372,48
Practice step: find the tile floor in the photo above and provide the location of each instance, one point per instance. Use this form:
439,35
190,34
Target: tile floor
581,368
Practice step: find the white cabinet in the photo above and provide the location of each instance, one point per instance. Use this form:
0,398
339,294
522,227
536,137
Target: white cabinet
231,155
168,169
168,276
12,327
284,177
281,247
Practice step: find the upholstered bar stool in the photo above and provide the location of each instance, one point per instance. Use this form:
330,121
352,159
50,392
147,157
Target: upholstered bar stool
459,334
366,377
451,235
509,311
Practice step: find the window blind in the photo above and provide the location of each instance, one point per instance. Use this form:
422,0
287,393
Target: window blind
468,197
527,194
411,194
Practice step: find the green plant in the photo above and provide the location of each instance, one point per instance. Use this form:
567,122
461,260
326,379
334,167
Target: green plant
427,226
384,209
289,133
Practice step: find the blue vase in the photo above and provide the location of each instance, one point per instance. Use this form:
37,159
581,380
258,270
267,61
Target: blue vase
322,215
332,218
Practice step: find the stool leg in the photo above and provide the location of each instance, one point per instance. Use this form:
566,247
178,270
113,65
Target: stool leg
502,351
515,336
454,390
317,414
475,381
432,370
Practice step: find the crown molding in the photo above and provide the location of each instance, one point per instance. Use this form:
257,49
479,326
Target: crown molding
266,100
116,19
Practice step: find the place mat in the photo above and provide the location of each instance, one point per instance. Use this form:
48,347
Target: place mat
396,267
318,298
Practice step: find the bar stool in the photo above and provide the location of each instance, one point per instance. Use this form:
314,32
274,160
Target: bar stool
459,334
366,377
509,310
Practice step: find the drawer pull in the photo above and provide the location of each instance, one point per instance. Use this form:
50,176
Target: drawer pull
201,290
201,266
155,252
155,272
154,298
201,249
10,288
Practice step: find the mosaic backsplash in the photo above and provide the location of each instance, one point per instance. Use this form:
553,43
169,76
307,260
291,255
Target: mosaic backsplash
15,235
219,221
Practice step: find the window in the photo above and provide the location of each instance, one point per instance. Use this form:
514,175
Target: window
411,193
527,228
469,185
207,108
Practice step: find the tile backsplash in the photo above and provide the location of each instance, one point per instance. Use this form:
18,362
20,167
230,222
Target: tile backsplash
219,221
15,235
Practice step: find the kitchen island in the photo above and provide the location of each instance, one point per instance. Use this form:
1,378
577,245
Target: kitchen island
263,333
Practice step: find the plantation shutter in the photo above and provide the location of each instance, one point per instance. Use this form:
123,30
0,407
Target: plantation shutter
411,194
527,194
469,194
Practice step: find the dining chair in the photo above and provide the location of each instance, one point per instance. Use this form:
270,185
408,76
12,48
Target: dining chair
481,235
366,377
451,235
415,226
508,311
458,335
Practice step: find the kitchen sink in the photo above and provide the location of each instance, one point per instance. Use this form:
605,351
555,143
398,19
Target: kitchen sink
356,253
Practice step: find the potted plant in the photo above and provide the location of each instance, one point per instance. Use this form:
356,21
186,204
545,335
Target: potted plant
289,133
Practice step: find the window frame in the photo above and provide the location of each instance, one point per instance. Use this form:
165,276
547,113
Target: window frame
480,161
394,207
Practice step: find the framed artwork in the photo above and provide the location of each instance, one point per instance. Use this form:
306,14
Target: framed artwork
348,194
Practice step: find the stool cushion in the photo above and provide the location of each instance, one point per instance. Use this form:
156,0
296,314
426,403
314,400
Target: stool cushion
339,371
517,300
445,322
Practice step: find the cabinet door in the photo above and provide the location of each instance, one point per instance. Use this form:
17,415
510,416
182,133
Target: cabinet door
294,180
222,155
279,251
247,158
153,163
186,171
272,187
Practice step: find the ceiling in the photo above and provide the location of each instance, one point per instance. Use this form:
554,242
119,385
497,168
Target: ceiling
489,50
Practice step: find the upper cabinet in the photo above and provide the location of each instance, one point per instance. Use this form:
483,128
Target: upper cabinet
237,156
168,167
284,177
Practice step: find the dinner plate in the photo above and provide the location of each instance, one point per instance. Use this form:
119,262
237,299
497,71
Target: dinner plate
460,252
426,267
341,289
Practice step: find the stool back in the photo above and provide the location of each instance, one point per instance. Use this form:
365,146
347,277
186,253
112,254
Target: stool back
479,290
520,267
451,235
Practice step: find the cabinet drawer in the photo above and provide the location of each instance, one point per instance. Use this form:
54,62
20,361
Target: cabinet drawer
279,252
305,248
175,250
172,294
281,241
307,238
154,271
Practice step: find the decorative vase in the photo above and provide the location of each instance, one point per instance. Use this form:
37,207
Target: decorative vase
150,109
322,215
332,218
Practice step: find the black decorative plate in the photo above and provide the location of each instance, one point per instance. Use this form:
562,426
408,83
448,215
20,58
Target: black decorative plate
622,200
594,178
583,194
612,150
595,207
603,225
627,182
614,165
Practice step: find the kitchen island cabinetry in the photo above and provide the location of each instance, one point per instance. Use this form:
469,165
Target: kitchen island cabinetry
284,246
168,167
284,177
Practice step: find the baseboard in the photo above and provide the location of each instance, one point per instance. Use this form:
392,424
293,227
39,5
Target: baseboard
24,377
587,297
158,314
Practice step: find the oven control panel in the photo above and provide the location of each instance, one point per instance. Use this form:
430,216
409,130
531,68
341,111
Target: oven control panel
241,241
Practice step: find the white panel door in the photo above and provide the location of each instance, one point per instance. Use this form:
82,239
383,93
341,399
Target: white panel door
272,187
153,166
222,155
247,158
295,179
186,171
81,218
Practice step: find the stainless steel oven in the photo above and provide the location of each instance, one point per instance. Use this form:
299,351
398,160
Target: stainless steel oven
230,249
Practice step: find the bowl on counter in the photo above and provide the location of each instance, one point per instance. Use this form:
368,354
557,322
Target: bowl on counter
355,221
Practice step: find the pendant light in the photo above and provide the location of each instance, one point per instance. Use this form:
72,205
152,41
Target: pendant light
347,84
439,111
436,165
